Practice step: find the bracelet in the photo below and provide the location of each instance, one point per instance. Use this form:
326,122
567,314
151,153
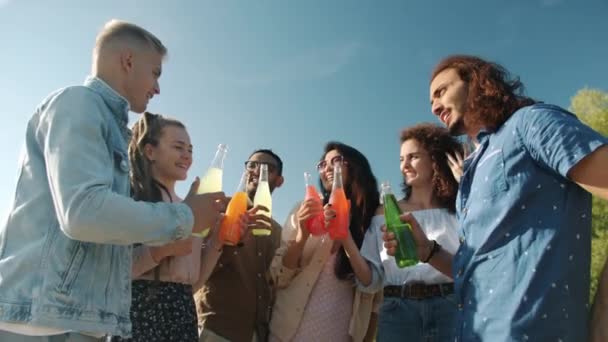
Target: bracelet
436,247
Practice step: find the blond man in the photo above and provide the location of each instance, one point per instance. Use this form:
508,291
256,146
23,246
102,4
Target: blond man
65,255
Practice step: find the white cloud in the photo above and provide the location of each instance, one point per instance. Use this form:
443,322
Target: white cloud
314,64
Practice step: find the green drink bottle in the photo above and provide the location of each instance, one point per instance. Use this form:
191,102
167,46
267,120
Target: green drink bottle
406,248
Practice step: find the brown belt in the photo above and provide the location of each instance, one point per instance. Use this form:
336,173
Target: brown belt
419,291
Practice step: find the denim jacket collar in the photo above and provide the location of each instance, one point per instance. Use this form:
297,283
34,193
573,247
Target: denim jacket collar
117,103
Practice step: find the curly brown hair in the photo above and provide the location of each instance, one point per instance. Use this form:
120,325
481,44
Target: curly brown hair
493,94
436,141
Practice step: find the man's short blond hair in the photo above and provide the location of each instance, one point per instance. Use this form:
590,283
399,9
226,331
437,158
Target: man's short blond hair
117,31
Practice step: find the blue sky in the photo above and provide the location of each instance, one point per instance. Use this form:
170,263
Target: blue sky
292,75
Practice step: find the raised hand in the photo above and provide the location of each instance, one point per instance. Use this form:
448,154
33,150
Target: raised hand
309,208
206,208
423,244
254,219
455,162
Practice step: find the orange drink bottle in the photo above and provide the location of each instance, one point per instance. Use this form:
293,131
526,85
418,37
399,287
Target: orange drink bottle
230,229
338,226
316,224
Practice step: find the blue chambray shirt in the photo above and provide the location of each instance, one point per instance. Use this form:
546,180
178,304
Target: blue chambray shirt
522,271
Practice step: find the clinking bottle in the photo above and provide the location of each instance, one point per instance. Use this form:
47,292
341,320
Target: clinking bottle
338,226
262,197
316,224
230,229
406,248
212,180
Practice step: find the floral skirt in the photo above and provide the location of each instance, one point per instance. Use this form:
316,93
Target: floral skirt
162,311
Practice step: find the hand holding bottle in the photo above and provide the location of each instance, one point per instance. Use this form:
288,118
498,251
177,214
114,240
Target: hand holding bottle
231,231
310,208
405,254
212,180
423,244
255,218
207,208
338,225
314,221
330,214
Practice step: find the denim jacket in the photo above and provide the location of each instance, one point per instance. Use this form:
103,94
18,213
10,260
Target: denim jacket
65,247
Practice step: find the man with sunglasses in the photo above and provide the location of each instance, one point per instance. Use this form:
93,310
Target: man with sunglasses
235,302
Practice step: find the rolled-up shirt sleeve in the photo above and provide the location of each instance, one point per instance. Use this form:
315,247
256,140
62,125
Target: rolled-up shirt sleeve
556,139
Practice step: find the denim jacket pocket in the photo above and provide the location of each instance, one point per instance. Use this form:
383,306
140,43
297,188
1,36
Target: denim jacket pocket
76,260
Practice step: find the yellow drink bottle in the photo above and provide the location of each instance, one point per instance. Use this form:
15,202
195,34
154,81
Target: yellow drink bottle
262,197
212,180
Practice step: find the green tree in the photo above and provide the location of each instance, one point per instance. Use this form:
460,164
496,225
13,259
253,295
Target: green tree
591,106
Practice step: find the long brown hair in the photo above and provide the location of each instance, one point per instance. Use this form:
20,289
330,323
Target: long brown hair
493,94
147,130
362,190
436,141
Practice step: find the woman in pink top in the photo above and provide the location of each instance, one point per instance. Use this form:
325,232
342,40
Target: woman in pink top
317,299
162,306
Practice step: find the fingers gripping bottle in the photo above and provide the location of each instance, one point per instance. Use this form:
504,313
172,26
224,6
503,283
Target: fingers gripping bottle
316,224
230,230
406,249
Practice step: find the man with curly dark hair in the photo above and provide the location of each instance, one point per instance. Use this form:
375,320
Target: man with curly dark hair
524,207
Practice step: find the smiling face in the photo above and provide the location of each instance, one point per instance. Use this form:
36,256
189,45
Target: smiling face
448,95
143,68
172,156
416,164
326,168
252,165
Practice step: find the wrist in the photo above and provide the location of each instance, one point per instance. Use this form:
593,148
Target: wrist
349,245
215,243
435,247
301,237
157,254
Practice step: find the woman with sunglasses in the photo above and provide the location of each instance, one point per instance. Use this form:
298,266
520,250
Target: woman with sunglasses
317,297
418,300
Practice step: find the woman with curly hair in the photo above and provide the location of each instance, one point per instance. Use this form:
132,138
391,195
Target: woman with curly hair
418,300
